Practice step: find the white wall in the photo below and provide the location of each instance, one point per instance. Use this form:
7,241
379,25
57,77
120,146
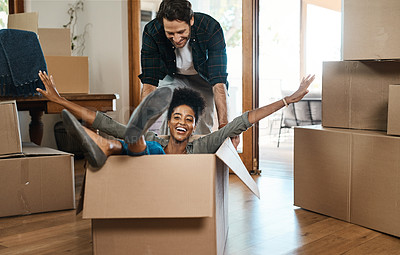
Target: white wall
106,47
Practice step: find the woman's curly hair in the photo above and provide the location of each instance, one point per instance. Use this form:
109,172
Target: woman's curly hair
189,97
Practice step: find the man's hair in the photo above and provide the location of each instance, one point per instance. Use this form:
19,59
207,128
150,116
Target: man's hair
175,10
189,97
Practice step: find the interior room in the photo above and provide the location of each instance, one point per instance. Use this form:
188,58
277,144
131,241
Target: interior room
318,176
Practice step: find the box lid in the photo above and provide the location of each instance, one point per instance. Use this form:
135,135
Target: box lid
30,149
159,186
228,154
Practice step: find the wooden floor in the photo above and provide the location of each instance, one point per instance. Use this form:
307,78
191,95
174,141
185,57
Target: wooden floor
271,225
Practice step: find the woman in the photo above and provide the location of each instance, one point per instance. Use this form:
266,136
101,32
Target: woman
184,109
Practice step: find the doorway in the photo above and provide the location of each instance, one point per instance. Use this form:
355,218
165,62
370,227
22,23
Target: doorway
295,38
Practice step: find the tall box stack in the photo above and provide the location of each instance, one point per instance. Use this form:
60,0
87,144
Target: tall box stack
33,179
71,73
349,168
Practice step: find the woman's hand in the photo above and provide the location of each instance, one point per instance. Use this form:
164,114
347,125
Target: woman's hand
302,90
51,92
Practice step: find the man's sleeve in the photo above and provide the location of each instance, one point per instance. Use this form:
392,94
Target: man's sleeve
217,58
150,59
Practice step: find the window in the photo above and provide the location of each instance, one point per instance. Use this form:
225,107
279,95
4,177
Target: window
322,41
3,13
229,15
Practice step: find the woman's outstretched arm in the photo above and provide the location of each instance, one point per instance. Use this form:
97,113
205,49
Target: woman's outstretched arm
262,112
52,94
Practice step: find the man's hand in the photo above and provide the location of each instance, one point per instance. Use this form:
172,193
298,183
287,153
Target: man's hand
235,141
147,89
51,92
220,97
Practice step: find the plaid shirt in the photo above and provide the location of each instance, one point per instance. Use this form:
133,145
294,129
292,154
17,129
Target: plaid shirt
208,49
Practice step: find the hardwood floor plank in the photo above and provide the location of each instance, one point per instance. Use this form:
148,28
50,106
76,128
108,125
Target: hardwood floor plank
270,225
382,245
338,242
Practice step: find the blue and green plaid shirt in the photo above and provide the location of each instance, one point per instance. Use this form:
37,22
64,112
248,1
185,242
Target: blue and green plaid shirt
208,49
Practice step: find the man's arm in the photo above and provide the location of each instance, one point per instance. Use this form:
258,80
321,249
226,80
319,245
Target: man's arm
220,97
147,89
52,94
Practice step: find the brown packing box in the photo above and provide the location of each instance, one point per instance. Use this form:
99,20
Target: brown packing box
352,175
41,180
55,41
24,21
162,204
370,29
70,73
393,127
10,136
355,94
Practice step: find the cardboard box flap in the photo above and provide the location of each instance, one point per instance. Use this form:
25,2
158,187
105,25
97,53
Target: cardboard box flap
228,154
31,149
152,186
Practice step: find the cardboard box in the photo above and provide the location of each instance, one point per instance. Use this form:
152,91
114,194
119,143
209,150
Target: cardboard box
393,127
41,180
370,29
24,21
321,171
10,135
162,204
70,73
355,94
55,41
375,185
352,175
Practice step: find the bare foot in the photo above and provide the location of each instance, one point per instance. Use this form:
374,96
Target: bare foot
108,146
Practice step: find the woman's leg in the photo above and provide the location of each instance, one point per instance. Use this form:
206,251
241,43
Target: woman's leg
108,146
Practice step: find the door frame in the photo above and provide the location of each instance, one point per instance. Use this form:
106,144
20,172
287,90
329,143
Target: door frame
249,71
250,155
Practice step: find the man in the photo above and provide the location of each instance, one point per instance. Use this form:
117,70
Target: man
185,49
185,107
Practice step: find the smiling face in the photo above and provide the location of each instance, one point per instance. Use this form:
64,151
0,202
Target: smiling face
182,123
177,31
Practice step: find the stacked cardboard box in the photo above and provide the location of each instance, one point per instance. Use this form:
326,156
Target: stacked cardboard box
71,73
32,179
349,168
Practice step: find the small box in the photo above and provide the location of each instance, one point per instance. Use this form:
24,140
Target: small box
166,204
10,135
70,73
355,93
41,180
394,110
24,21
352,175
55,41
370,29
